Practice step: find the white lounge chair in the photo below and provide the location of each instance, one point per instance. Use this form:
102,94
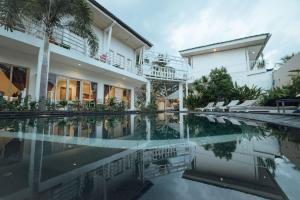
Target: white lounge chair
243,106
209,105
217,106
228,106
221,120
211,118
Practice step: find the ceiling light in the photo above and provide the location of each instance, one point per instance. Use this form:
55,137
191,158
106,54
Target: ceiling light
215,50
79,64
253,52
123,78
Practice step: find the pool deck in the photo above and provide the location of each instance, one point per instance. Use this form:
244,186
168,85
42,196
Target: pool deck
291,120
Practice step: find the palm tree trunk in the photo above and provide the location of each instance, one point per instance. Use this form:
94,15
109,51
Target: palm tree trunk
44,74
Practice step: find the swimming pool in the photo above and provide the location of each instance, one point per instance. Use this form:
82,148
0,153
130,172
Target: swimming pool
164,156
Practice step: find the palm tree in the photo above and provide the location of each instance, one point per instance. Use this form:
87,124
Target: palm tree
73,15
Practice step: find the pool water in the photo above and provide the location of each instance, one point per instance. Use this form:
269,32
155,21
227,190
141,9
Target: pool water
164,156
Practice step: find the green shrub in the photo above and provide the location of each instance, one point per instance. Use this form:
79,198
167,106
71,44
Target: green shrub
285,92
218,86
243,93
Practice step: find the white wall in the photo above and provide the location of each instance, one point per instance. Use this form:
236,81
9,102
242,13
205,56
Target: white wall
234,60
237,64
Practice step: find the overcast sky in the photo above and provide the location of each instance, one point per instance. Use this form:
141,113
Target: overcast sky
173,25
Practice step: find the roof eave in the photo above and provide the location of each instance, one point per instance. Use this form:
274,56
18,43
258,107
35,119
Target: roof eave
192,51
121,23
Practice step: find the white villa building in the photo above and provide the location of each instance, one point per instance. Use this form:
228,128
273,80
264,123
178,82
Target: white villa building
114,71
241,57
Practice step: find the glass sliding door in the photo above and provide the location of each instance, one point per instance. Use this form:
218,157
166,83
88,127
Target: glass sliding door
51,87
61,91
74,90
121,94
14,81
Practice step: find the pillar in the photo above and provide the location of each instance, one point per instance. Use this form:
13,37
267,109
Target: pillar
109,38
148,129
180,96
148,93
38,73
181,126
132,123
99,129
100,93
186,90
132,99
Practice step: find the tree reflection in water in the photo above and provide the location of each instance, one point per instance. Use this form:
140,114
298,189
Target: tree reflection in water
222,150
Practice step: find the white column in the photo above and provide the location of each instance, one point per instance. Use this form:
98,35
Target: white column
180,96
100,93
38,73
186,90
181,126
99,130
148,129
132,99
67,89
109,38
148,93
132,117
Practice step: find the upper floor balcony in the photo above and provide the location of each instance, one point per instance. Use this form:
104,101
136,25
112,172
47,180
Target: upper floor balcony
165,67
68,41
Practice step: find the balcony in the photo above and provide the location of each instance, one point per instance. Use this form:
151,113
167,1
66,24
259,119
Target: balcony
70,41
165,67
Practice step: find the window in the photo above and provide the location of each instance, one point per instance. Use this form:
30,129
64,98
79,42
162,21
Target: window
14,81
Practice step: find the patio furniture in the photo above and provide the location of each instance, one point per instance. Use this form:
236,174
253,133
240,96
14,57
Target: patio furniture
233,121
231,104
218,105
283,103
221,120
211,118
245,106
209,105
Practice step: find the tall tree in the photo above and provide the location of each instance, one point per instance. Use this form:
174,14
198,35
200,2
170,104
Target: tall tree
74,15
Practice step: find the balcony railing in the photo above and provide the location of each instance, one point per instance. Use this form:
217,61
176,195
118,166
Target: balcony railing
258,64
165,67
68,40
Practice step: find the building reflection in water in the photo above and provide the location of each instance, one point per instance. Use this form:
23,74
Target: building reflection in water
243,159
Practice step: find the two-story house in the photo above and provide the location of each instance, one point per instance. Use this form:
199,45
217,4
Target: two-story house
73,73
241,57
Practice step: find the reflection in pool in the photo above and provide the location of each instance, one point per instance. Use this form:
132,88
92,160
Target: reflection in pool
165,156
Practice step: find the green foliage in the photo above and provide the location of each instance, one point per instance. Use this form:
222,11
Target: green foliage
152,106
218,86
285,92
63,103
192,101
243,93
33,105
